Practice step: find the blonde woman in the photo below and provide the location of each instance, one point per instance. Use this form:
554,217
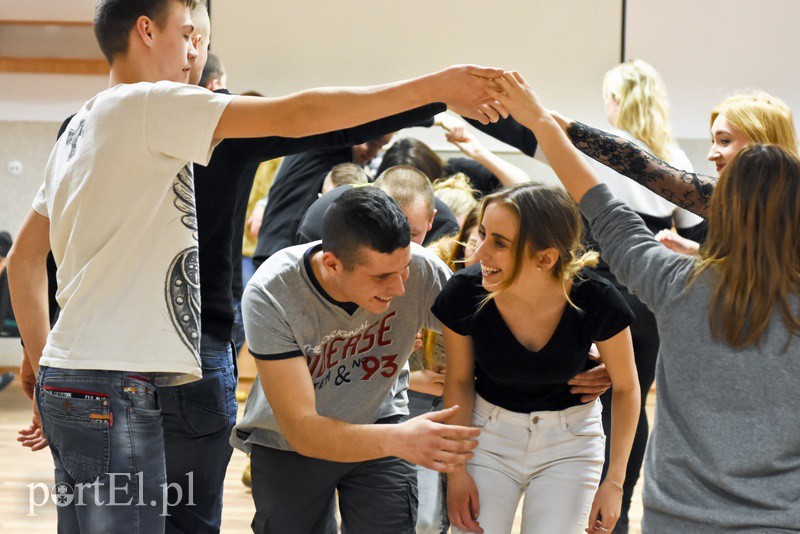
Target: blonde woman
738,121
517,327
741,120
723,453
456,191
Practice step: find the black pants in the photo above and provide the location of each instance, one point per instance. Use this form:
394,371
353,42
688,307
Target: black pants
296,494
645,350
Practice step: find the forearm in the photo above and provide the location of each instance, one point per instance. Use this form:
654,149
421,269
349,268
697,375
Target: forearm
688,190
507,173
273,147
511,132
572,170
321,110
625,405
27,280
460,392
336,441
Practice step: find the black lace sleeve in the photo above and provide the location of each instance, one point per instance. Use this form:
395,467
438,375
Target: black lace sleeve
688,190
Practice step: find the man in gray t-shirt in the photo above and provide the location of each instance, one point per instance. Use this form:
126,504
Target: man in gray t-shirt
331,325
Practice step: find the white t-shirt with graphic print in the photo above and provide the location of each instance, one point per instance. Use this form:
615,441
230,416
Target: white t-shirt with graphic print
119,194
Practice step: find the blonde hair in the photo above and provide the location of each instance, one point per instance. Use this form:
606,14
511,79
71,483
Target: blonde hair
457,192
548,218
753,231
201,20
644,108
762,117
407,185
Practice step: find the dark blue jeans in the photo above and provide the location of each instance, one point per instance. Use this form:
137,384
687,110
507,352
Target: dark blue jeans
104,431
198,419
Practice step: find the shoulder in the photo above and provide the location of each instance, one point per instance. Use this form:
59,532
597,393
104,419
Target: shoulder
427,262
466,285
597,296
280,269
592,289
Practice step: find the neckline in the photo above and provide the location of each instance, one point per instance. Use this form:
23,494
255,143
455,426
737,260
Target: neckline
348,307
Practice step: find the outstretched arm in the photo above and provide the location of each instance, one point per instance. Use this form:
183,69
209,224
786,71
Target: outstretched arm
321,110
423,440
688,190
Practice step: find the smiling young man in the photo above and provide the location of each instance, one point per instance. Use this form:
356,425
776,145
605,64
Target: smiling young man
117,209
331,325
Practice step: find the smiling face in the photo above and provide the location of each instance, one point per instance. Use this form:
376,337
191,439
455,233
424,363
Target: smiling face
726,142
498,229
375,279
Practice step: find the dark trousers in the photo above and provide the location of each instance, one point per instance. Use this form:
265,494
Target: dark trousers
645,350
295,493
197,420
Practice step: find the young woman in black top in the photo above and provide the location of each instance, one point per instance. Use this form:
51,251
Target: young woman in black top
517,327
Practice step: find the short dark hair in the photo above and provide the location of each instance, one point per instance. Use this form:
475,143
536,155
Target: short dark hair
413,152
363,217
114,20
213,69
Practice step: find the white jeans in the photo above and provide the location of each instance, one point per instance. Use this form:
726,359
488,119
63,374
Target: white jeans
555,458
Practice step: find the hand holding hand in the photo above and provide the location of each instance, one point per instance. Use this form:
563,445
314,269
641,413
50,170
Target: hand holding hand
518,98
605,509
464,89
426,441
463,504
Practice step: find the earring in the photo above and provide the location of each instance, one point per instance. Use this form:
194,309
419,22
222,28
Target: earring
539,268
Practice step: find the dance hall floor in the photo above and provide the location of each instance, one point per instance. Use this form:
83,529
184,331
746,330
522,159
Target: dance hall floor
20,468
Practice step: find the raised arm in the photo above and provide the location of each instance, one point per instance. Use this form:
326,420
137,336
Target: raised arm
253,151
651,272
508,173
422,440
688,190
321,110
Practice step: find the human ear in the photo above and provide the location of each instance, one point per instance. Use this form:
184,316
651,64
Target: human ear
144,29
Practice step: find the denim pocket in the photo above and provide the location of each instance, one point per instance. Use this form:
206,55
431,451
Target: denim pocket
591,426
143,401
208,405
78,432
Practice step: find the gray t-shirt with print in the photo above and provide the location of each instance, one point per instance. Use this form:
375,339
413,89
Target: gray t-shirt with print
355,360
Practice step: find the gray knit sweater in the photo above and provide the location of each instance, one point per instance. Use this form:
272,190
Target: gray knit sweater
724,453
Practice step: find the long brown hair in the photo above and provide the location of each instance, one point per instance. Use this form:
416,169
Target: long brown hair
752,244
548,218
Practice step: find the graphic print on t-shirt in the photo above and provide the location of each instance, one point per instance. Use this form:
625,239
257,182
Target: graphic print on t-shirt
348,352
72,139
183,277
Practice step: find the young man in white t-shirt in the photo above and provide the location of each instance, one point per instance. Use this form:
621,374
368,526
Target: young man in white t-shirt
117,209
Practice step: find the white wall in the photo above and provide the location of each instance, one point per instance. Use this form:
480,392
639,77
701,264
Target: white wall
708,49
563,48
